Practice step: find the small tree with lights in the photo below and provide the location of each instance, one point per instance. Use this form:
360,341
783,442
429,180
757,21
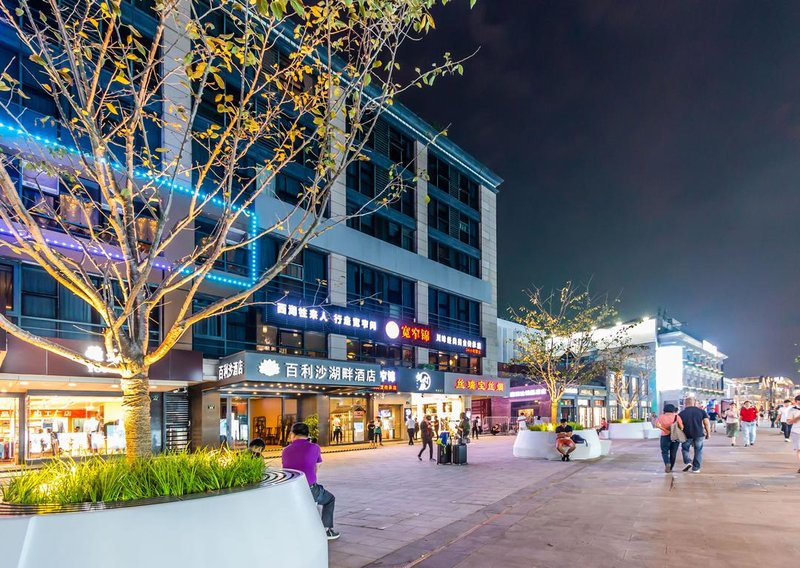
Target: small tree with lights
559,346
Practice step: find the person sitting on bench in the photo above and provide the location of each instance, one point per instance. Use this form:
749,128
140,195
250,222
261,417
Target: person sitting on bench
564,443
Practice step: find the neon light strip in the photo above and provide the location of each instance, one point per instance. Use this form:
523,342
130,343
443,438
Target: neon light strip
252,229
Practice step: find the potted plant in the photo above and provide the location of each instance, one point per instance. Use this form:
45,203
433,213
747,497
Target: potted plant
626,429
110,510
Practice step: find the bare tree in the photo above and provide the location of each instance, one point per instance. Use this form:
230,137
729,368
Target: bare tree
560,344
289,81
628,367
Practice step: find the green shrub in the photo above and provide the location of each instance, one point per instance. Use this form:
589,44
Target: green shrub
313,426
538,428
547,427
628,421
97,479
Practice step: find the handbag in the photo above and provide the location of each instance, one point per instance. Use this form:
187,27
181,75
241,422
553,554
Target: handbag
675,432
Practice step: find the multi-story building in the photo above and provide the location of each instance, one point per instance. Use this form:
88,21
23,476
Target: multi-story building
669,365
390,315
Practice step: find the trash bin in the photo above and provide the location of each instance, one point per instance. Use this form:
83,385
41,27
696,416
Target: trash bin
443,454
460,454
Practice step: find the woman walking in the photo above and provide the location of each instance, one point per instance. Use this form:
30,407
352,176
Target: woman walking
669,447
731,423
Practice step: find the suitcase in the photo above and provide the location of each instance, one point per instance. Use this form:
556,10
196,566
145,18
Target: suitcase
460,454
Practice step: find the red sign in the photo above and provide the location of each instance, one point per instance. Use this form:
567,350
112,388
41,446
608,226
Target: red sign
476,385
386,387
415,332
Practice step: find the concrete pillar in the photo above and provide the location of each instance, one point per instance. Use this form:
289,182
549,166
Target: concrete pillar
422,200
337,279
337,347
489,274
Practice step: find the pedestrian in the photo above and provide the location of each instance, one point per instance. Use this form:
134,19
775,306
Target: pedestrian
697,430
427,438
463,427
475,428
378,431
565,445
303,455
436,424
786,428
371,433
522,422
713,416
410,429
337,430
653,419
749,417
773,417
731,416
669,447
793,420
416,428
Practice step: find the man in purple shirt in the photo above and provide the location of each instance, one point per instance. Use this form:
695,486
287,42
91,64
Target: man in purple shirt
303,455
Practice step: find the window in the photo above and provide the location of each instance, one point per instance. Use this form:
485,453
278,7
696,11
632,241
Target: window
234,261
288,188
403,198
312,287
368,351
460,260
293,342
381,227
361,178
225,334
450,180
454,362
380,292
451,311
401,149
6,288
438,173
468,192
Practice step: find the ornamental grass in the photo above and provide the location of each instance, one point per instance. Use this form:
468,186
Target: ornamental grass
65,481
550,427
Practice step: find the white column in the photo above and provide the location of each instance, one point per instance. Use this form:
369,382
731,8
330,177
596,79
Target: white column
489,274
422,201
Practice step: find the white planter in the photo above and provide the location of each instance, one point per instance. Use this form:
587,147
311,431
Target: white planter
529,444
589,451
275,523
651,433
627,431
605,447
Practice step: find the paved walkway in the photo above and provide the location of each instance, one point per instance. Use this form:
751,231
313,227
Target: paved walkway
395,511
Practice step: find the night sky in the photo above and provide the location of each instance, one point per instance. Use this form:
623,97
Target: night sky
651,146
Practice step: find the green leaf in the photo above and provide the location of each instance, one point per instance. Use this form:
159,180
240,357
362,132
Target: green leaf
298,8
278,9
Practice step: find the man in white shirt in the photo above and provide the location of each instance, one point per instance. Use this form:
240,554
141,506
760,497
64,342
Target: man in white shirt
782,412
522,422
410,423
793,419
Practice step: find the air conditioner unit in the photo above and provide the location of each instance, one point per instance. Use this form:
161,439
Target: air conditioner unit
294,271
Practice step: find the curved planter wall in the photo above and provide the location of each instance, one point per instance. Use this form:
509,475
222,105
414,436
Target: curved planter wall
627,431
273,523
529,444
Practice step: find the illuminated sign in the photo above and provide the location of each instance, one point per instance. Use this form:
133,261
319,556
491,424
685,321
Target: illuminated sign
258,366
321,315
343,321
418,380
526,392
475,384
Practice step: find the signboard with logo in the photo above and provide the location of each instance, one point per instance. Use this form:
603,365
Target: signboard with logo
456,383
348,322
261,366
418,380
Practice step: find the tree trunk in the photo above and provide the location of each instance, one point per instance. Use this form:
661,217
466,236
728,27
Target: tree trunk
554,417
136,415
626,412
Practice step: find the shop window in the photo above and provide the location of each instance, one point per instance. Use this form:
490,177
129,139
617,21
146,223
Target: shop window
73,427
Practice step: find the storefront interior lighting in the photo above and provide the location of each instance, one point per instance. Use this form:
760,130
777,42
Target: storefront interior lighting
24,382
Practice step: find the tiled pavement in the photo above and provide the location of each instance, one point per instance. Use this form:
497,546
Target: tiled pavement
394,511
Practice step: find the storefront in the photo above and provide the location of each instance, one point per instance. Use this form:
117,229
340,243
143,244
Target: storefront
261,394
587,405
50,406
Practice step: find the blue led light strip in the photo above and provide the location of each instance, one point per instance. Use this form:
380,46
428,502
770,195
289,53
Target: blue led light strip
252,229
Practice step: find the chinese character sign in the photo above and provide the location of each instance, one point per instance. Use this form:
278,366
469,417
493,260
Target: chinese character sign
470,385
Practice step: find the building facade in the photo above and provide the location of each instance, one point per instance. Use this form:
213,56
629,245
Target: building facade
393,314
669,365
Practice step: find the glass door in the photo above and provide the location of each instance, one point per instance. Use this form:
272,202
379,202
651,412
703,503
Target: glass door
9,431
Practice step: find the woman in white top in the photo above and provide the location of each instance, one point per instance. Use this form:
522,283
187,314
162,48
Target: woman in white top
731,416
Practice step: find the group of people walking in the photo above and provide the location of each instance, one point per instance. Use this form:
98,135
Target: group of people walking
689,428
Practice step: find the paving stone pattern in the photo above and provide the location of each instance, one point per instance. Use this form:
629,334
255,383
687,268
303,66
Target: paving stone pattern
395,511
